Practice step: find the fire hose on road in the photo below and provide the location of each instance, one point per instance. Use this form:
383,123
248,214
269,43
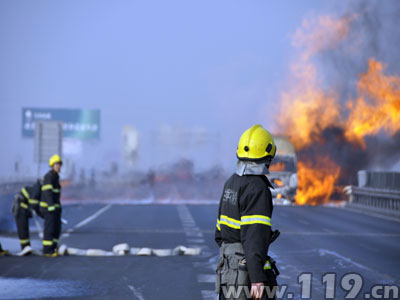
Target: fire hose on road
122,249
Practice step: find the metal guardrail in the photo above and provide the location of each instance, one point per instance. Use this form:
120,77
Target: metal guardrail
377,198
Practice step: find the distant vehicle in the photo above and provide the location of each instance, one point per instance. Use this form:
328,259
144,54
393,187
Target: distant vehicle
283,172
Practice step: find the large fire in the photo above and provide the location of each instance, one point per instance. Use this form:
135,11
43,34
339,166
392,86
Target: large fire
310,107
377,106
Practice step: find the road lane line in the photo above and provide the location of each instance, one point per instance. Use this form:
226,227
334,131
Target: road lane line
209,295
136,292
186,218
206,278
196,241
370,213
87,220
346,259
92,217
194,235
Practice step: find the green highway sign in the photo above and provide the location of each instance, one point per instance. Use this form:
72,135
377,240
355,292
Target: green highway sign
81,124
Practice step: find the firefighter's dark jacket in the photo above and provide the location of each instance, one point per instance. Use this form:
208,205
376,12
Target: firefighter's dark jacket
31,196
51,190
244,216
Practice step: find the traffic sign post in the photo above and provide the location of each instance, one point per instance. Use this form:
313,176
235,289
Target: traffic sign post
48,138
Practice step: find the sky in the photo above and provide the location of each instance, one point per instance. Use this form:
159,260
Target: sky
215,65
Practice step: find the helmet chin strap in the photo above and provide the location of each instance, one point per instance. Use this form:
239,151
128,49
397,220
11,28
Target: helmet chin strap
268,161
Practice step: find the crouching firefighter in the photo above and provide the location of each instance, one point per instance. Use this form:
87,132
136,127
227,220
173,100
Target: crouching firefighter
26,201
243,233
50,207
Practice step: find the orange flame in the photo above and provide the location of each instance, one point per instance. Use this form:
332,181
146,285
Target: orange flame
308,112
278,182
316,181
377,106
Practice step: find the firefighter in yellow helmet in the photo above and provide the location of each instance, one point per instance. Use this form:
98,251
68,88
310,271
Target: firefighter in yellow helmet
50,206
243,230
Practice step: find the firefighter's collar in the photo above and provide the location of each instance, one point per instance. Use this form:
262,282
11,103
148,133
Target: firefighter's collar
251,168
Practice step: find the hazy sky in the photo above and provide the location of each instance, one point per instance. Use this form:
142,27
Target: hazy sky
217,65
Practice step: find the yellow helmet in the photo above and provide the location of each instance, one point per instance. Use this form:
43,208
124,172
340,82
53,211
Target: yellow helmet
256,144
55,159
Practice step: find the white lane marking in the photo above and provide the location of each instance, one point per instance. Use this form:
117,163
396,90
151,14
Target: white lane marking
202,247
209,295
304,222
346,259
195,235
369,213
92,217
196,241
87,220
206,278
189,225
192,228
136,292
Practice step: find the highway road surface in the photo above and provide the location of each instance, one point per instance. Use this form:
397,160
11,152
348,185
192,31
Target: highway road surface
314,241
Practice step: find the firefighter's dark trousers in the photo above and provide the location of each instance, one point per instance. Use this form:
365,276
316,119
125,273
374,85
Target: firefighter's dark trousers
233,281
22,221
52,229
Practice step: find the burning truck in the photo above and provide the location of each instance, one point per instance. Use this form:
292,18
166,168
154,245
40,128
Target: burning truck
283,172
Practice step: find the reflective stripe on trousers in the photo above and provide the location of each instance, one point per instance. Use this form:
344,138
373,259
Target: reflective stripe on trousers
47,243
24,205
